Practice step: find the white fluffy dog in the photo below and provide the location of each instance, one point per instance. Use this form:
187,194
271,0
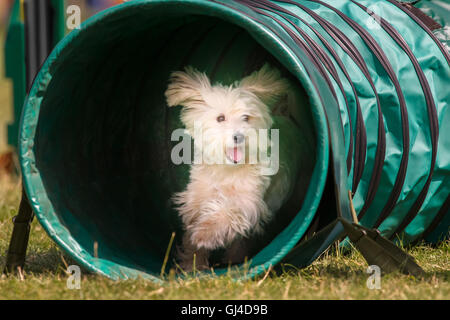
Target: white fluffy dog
225,200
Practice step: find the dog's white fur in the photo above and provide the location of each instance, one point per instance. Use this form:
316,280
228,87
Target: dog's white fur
223,203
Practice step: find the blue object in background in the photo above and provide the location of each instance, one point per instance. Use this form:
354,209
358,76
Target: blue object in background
98,5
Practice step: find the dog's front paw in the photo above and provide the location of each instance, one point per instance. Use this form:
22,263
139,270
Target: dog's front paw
190,257
206,238
212,233
197,263
190,265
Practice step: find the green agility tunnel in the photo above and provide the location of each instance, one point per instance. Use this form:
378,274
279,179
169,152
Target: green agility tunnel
95,131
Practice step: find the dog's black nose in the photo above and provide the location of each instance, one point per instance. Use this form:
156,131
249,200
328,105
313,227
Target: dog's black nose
238,137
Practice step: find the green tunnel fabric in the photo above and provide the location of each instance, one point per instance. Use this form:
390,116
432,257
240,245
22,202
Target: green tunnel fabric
95,130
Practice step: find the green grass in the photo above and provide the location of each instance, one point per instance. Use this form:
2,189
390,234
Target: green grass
333,276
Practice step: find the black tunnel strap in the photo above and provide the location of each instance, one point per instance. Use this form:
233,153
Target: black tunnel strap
15,257
374,248
345,43
301,45
446,55
425,28
380,55
38,28
379,251
336,163
361,138
428,21
326,61
432,115
310,53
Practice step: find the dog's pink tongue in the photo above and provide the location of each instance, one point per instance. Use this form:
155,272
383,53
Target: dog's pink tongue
235,154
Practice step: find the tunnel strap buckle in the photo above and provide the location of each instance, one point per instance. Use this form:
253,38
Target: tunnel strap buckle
18,244
20,223
379,251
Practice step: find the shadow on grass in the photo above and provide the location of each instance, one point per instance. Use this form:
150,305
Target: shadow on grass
44,262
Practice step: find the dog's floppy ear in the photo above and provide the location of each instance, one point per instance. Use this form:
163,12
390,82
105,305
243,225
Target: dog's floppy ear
185,88
266,83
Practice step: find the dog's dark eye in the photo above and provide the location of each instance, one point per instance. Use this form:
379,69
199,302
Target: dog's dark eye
245,118
221,118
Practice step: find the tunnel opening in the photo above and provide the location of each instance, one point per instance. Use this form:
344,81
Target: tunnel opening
102,141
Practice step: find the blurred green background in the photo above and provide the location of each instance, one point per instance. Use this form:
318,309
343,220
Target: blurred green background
5,84
7,157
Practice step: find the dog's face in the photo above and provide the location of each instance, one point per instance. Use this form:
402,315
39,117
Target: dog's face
228,118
